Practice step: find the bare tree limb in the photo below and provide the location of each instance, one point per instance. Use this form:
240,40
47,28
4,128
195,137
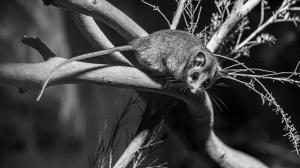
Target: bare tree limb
235,16
37,44
31,76
201,117
131,150
177,16
97,38
105,12
227,157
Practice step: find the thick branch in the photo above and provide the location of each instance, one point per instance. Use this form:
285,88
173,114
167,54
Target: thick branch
227,157
31,76
235,16
97,38
105,12
203,138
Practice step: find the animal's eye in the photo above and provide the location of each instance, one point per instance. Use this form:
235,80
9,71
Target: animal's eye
206,84
195,76
199,59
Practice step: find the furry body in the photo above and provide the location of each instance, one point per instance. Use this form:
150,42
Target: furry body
166,52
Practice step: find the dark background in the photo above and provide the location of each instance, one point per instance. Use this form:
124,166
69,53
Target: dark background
62,130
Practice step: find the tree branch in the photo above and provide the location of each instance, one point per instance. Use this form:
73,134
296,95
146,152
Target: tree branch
37,44
235,16
131,150
177,16
31,76
97,38
227,157
105,12
201,133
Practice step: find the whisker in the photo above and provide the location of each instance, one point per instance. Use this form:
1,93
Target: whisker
236,61
231,66
222,102
214,102
224,85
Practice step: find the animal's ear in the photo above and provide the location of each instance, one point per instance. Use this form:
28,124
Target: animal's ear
196,49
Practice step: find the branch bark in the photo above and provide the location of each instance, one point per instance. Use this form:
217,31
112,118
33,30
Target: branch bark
105,12
235,16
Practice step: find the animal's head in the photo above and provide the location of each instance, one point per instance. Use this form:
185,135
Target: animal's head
202,69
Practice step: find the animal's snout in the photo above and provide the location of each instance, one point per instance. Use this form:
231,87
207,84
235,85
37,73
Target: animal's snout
198,82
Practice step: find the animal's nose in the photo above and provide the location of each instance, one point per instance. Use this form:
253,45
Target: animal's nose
194,90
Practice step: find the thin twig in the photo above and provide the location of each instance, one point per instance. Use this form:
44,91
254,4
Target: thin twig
262,13
234,17
280,15
156,8
266,95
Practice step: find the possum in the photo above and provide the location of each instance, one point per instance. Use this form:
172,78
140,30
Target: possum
175,52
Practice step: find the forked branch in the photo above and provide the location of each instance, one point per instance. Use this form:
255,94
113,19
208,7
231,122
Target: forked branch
238,12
